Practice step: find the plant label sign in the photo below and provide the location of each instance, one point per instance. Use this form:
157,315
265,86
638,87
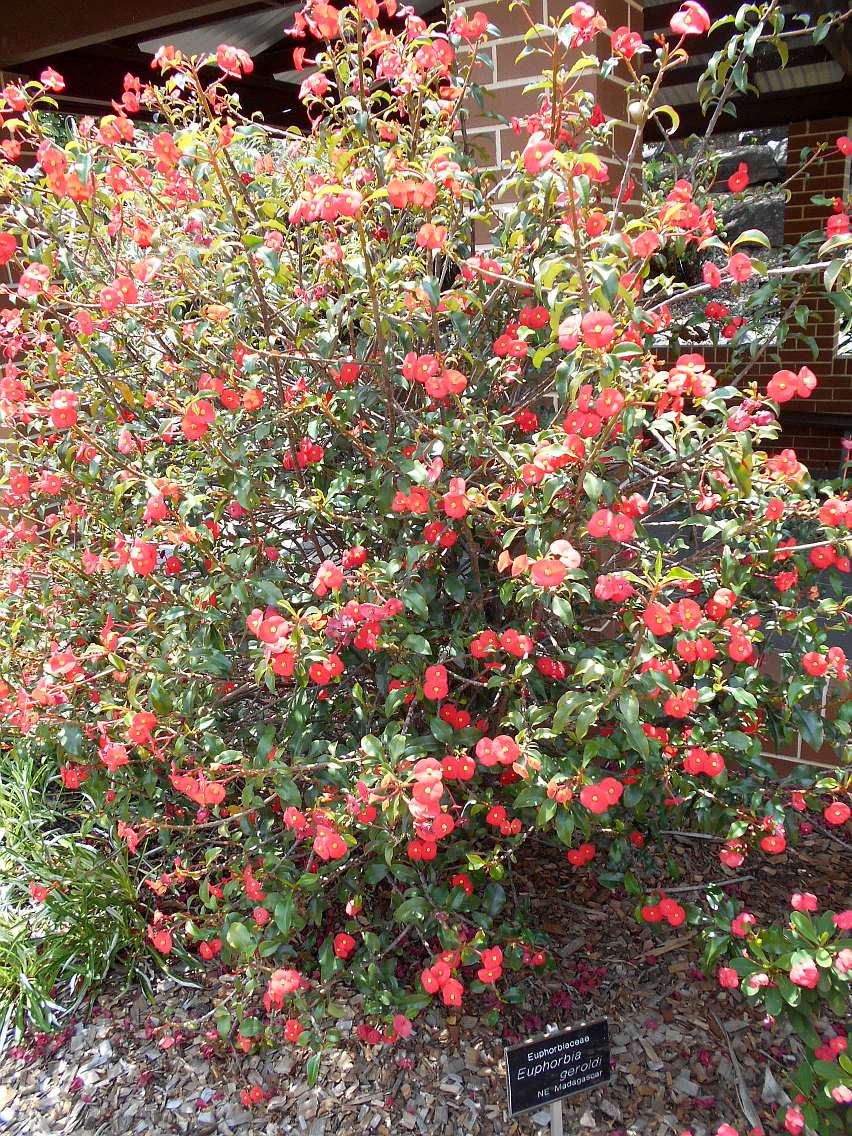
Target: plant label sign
557,1065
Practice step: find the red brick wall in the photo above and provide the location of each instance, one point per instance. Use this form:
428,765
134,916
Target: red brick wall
507,78
818,445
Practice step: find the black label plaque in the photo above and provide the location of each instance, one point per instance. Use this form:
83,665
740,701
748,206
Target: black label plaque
556,1066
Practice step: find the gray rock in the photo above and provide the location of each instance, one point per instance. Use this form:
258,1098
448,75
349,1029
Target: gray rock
764,211
763,165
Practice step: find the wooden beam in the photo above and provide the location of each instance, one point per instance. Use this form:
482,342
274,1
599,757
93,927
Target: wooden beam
839,45
36,29
804,54
771,109
94,77
278,58
838,42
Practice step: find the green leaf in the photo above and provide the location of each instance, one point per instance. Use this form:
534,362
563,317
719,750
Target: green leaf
105,355
417,644
565,826
240,938
494,899
283,914
562,610
811,727
411,909
551,270
454,586
751,37
671,114
628,705
313,1068
752,237
416,602
586,718
772,1001
372,747
593,486
70,739
567,706
821,31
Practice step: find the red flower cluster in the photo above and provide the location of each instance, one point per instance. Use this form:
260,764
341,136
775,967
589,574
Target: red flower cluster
664,908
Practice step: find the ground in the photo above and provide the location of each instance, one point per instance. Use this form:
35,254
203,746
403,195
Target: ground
685,1053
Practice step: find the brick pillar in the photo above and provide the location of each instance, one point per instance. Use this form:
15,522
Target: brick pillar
818,444
507,78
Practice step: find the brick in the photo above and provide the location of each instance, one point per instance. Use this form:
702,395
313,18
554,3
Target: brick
612,98
511,22
618,12
484,147
507,68
506,101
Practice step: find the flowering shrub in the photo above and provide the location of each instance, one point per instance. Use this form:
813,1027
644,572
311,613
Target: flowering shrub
800,972
342,553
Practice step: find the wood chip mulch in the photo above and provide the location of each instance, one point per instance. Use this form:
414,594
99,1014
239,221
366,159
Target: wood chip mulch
685,1053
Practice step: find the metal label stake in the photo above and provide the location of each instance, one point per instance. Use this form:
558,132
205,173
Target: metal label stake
556,1118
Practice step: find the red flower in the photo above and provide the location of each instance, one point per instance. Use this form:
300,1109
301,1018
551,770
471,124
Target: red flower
740,924
435,683
582,855
691,19
282,983
538,154
815,664
52,80
625,42
329,845
344,945
143,558
548,573
837,813
597,329
63,409
451,992
598,798
740,267
785,385
160,938
774,844
8,245
328,578
728,978
738,181
804,901
657,619
782,386
234,61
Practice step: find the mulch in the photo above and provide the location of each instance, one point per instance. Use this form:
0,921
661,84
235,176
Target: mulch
685,1053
